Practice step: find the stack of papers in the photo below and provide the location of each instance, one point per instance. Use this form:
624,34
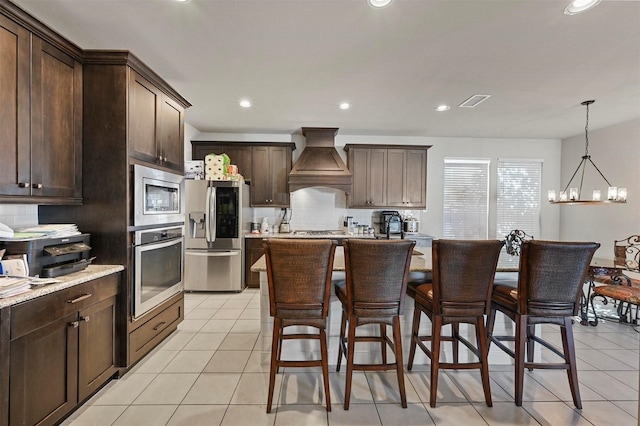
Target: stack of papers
47,231
11,286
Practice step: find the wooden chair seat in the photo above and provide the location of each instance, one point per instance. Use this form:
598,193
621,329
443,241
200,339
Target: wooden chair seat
622,293
416,279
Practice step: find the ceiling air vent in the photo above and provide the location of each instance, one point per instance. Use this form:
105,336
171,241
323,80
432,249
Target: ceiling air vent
474,101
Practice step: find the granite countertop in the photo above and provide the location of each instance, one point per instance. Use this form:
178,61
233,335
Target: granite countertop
92,272
420,261
294,235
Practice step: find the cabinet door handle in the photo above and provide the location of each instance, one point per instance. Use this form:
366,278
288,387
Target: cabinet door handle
79,298
85,319
24,184
37,185
74,324
157,327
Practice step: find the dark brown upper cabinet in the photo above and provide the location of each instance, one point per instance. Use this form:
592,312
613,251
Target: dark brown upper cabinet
156,125
265,165
388,176
41,114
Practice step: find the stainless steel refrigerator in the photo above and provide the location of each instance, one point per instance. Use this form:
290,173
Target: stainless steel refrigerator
217,214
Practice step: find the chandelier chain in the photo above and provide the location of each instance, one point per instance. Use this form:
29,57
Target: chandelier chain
586,134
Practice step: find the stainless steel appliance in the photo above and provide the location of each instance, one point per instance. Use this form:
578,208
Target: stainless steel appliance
157,266
390,223
411,225
158,197
217,215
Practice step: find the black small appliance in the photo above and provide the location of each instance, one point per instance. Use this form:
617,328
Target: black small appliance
390,223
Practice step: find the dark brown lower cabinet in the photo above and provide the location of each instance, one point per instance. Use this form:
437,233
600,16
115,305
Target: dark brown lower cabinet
63,348
253,251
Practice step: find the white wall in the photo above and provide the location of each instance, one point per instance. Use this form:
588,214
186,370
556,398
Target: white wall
323,208
616,152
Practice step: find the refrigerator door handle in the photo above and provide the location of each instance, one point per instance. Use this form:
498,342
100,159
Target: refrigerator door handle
210,205
213,217
213,253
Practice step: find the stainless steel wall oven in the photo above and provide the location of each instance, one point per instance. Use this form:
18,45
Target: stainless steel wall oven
158,266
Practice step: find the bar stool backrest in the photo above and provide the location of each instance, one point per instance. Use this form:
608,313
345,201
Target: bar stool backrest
551,276
463,273
299,272
377,273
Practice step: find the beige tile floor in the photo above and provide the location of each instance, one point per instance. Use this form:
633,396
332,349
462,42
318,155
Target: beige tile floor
212,372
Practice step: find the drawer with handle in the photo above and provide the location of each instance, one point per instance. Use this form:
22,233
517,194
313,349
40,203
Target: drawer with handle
35,313
153,331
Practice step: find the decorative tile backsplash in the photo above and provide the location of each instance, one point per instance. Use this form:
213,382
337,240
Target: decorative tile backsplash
317,209
19,215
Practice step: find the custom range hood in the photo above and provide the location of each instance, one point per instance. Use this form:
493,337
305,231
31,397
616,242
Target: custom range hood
320,164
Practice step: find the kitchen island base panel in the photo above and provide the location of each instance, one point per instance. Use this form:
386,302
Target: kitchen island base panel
370,352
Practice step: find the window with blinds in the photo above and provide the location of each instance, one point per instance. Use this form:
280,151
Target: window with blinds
518,192
466,199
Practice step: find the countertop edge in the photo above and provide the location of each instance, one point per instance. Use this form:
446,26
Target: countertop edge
92,272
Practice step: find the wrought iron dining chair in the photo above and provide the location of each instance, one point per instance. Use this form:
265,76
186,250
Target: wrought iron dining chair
623,289
374,293
550,282
463,272
299,275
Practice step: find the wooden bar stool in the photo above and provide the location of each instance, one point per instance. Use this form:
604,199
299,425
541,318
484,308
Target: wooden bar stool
463,273
374,293
299,274
550,283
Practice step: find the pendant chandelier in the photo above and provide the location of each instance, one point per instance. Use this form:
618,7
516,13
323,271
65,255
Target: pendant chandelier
573,195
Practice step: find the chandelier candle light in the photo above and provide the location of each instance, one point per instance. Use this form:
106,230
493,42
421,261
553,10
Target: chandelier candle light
573,195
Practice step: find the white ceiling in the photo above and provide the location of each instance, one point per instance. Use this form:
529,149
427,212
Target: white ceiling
296,60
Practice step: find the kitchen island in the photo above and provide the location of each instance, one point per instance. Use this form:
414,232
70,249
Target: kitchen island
420,264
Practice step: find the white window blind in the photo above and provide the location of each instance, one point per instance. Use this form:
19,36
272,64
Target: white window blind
466,199
518,192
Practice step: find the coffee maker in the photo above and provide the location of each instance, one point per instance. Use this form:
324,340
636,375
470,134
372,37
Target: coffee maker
389,223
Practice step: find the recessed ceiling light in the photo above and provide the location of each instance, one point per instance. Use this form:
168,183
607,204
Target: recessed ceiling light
579,6
441,108
245,103
379,3
345,105
182,1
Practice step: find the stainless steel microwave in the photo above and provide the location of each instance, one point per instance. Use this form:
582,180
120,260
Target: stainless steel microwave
158,197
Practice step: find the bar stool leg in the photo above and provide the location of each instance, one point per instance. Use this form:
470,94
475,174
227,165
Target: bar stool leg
341,341
399,368
415,328
383,342
350,350
570,358
325,366
520,347
455,333
435,357
275,350
481,337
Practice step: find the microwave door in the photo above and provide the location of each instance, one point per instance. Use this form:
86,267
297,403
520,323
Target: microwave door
211,214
